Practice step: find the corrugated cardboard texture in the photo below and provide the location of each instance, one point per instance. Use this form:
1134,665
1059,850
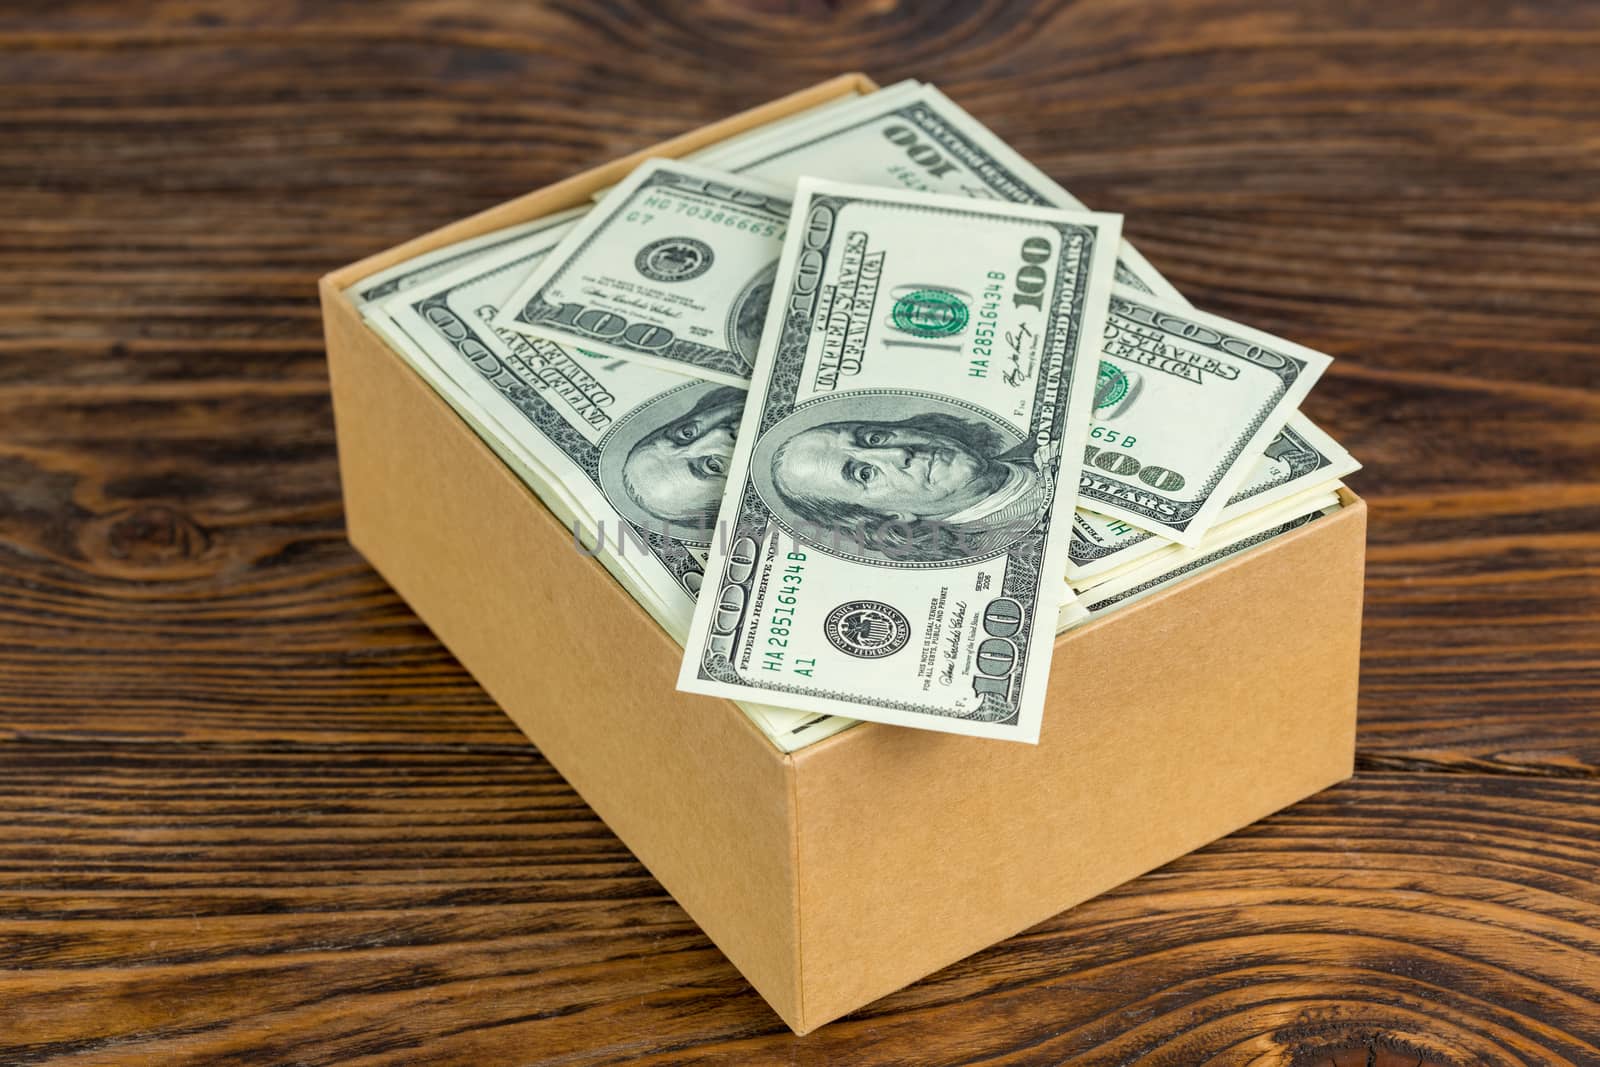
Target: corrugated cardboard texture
835,876
1168,725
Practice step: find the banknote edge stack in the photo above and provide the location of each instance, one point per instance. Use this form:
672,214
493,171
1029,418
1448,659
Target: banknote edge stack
1294,475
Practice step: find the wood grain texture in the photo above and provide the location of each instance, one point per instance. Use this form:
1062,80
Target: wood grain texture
252,813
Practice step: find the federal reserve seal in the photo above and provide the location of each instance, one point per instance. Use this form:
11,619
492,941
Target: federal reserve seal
674,259
867,629
930,313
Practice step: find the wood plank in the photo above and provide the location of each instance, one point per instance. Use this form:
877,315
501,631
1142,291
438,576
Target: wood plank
235,905
253,813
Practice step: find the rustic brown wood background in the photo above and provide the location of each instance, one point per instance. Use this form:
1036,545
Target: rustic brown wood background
252,813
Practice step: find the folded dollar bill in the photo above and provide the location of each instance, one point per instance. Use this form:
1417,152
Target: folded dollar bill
894,529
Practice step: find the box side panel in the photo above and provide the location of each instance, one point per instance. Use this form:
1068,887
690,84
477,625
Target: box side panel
1169,724
688,783
575,190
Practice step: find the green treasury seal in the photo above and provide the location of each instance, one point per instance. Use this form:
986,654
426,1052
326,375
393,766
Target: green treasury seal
1110,386
930,313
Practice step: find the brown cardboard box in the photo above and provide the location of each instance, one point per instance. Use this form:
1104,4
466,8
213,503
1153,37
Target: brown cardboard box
846,870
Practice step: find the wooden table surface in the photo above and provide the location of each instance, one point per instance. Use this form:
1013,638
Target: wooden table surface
251,812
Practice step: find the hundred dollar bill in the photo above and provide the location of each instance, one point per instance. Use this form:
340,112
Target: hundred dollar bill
919,140
899,504
1185,404
673,269
618,451
1299,457
1145,581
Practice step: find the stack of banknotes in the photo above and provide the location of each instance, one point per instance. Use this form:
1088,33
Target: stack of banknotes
864,409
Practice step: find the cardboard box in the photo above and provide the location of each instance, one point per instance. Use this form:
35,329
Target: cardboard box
844,871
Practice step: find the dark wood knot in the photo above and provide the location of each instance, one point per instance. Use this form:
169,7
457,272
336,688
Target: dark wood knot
807,7
148,538
1372,1050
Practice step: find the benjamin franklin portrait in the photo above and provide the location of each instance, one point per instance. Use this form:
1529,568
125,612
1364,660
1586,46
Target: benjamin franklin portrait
901,477
664,467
